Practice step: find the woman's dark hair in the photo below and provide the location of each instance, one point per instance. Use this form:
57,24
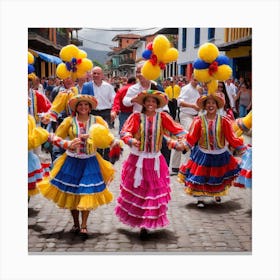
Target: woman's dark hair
224,91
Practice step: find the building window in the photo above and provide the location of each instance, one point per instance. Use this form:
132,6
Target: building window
184,39
196,37
211,34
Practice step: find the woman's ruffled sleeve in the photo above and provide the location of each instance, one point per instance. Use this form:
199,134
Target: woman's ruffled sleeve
130,128
36,135
63,129
194,133
58,139
173,127
233,140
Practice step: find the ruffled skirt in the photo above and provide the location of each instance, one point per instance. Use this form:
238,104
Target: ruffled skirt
208,174
244,180
144,204
78,183
35,173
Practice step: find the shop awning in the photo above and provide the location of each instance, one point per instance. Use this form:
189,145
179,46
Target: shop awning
47,57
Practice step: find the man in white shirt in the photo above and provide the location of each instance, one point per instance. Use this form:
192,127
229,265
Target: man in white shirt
188,110
105,94
231,92
142,84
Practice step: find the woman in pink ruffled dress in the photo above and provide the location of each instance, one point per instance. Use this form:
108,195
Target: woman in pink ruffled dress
145,182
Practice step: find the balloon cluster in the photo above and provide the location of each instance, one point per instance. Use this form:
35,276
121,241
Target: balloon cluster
157,54
75,64
100,136
211,67
31,68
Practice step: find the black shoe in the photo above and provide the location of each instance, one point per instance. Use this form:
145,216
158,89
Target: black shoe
143,234
75,229
218,199
200,204
83,233
174,172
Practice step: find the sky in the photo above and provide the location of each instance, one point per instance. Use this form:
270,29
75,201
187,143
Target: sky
101,39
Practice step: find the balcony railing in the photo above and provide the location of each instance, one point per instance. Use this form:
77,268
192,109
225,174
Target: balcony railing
127,61
233,34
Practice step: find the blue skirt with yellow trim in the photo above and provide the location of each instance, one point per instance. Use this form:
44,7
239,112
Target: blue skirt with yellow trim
78,183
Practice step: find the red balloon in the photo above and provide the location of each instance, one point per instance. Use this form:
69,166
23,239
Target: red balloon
150,46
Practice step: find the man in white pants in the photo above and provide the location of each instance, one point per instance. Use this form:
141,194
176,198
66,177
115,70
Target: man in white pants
188,110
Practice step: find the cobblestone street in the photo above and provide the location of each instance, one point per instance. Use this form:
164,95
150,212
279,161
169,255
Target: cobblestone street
217,228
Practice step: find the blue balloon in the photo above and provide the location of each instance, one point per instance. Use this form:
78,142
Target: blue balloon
68,65
222,59
31,68
200,64
147,54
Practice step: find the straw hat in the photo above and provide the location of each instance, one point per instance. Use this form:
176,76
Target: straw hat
216,95
160,96
82,97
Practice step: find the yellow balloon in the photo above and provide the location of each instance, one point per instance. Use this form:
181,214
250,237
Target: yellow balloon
82,54
30,58
62,72
100,136
149,71
202,75
74,76
212,86
160,45
208,52
85,65
170,55
247,120
68,52
224,72
80,73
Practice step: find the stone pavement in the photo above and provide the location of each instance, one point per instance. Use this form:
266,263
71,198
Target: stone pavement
218,228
